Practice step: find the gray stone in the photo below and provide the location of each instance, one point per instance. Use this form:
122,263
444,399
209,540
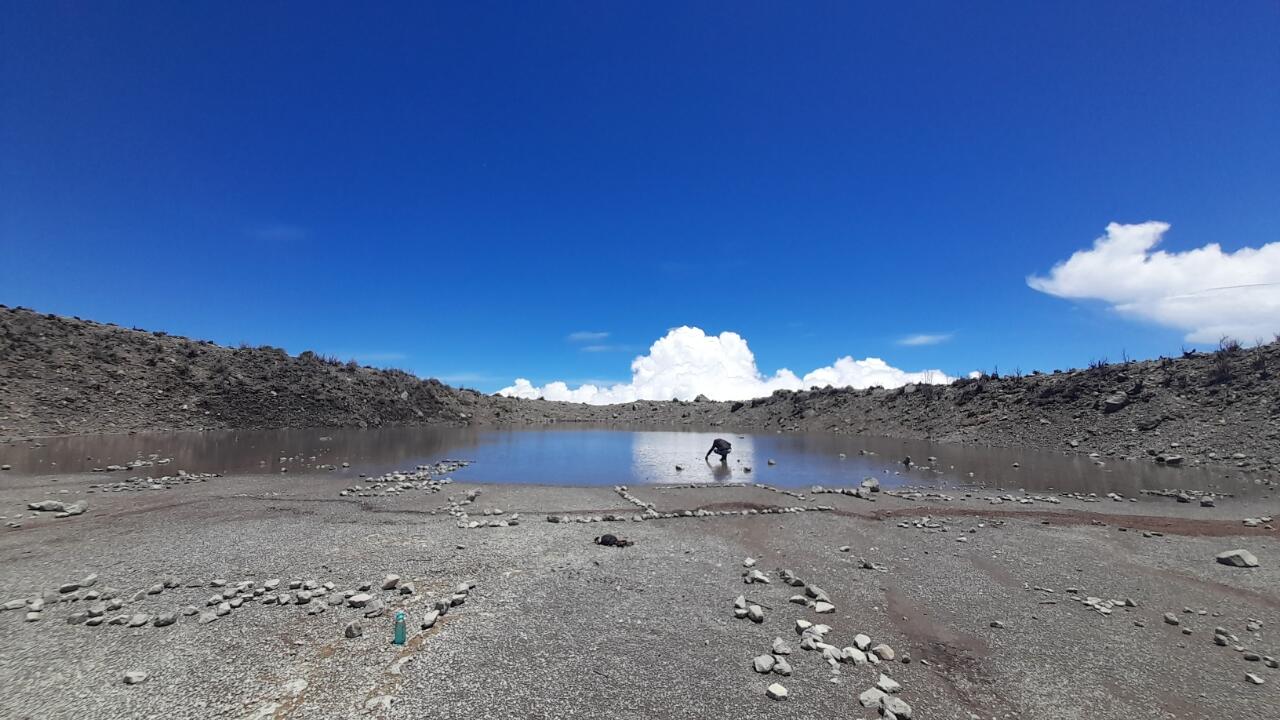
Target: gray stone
763,663
359,600
166,618
780,647
1115,402
1237,558
872,697
429,620
133,677
887,684
353,630
776,691
897,708
390,582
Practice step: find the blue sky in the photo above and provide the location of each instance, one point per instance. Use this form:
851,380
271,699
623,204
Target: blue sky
456,190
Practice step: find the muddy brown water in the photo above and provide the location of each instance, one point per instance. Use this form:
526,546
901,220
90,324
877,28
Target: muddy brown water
609,456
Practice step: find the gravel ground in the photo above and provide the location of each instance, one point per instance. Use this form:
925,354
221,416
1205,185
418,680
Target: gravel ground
560,627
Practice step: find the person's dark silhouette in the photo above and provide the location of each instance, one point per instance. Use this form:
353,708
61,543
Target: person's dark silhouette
720,447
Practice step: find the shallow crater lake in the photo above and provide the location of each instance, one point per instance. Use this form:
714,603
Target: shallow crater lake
607,456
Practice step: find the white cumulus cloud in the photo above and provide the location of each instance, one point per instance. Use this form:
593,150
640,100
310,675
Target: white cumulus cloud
687,362
1205,292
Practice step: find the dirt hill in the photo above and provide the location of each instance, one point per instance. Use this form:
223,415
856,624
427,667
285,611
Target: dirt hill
66,375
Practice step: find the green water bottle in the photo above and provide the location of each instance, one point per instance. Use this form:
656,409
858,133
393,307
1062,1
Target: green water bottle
400,638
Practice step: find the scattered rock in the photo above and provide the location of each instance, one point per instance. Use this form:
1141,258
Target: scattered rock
887,684
1237,558
884,652
872,698
133,677
896,708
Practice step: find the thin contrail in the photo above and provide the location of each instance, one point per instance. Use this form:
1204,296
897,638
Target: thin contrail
1224,287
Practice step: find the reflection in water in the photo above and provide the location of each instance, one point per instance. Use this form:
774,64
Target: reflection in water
594,456
654,456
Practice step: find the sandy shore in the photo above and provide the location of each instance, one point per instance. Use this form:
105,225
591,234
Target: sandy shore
559,627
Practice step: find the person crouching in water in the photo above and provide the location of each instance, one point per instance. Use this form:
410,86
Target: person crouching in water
720,447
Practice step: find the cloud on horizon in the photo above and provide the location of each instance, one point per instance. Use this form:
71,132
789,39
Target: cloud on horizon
687,362
1205,293
925,339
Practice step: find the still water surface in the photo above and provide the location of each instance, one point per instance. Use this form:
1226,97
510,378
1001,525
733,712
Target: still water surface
605,456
